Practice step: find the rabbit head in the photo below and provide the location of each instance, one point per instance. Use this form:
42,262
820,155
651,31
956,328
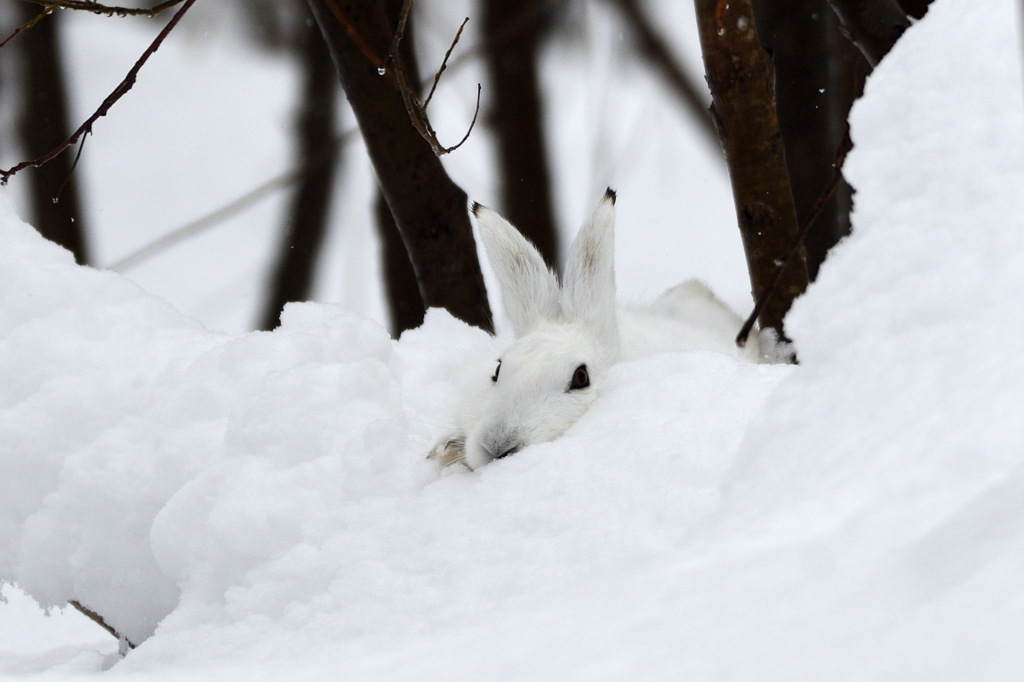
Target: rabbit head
566,337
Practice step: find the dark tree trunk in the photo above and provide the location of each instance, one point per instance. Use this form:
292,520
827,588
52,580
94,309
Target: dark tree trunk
43,126
817,76
741,78
915,8
292,277
405,307
516,117
429,209
873,26
275,24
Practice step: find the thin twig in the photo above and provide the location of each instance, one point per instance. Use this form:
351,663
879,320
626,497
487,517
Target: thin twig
98,619
97,8
214,218
509,32
89,6
122,88
47,8
74,165
471,123
444,64
416,109
412,105
437,77
403,17
812,216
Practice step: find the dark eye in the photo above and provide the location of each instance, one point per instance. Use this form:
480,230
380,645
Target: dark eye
496,370
580,378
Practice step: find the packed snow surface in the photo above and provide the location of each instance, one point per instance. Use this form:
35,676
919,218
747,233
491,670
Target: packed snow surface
260,505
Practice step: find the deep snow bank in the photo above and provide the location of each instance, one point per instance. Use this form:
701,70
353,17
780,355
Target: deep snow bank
268,490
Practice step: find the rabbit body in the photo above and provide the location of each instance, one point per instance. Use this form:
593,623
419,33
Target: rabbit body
566,338
686,317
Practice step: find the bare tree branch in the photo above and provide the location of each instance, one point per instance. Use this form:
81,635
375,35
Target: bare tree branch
119,92
357,39
416,109
98,619
510,32
265,189
396,75
232,208
28,24
444,62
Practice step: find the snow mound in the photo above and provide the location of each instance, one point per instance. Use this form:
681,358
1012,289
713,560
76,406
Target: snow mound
247,491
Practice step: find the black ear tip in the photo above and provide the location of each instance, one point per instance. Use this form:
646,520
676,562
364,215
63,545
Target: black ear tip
610,194
476,208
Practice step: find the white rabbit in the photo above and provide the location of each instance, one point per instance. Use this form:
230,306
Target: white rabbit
567,338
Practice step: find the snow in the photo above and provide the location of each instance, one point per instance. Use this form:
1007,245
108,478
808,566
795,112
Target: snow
71,643
258,504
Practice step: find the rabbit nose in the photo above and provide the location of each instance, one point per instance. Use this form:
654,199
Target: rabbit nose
503,446
510,451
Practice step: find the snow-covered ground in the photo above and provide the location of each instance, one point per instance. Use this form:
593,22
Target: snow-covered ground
257,505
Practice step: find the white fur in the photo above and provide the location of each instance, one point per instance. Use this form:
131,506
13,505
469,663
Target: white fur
558,329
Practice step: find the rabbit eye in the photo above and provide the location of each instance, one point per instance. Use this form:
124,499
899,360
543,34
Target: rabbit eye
580,378
496,370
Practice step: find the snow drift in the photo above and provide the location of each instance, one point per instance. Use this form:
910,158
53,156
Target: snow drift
260,503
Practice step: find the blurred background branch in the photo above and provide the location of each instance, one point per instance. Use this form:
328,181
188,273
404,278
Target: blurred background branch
817,73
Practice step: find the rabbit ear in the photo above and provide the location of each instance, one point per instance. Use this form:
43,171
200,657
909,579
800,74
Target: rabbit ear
589,291
529,291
